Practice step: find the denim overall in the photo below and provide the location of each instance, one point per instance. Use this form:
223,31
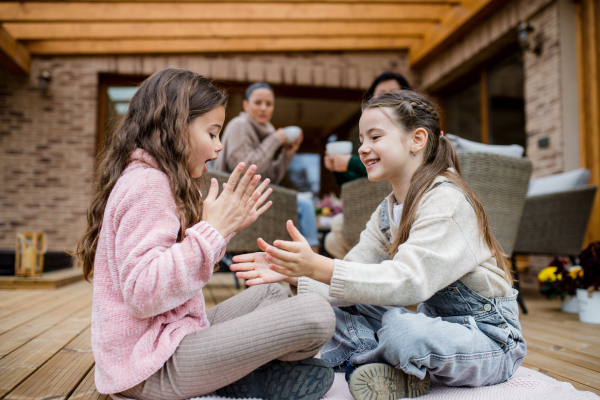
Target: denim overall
461,337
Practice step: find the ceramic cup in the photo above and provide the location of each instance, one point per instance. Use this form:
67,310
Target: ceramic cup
292,132
341,147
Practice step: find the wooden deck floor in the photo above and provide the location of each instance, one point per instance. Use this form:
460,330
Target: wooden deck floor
45,350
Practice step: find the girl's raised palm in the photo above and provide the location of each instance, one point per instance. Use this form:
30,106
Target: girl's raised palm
229,210
255,268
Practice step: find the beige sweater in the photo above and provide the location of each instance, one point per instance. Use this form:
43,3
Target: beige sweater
443,246
246,140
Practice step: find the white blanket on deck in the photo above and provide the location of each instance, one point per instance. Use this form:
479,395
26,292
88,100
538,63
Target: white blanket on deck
525,385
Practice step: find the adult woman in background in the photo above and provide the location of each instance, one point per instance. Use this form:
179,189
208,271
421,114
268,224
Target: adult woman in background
251,138
346,167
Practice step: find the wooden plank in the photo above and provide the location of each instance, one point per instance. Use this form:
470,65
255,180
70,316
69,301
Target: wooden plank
210,29
15,338
576,385
87,390
565,332
548,336
11,297
454,24
26,360
214,11
40,309
61,374
565,370
561,353
29,302
14,57
219,45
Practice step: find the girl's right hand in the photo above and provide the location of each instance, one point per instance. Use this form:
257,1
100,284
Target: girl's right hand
226,212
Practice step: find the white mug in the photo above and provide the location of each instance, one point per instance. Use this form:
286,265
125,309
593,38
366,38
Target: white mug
292,132
341,147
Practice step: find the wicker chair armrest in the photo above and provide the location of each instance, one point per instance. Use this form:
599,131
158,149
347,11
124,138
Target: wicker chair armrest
270,225
360,198
555,223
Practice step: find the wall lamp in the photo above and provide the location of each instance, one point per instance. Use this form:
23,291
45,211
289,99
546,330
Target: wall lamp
44,79
524,37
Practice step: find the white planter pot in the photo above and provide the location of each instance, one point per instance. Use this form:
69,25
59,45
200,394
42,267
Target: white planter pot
570,305
589,307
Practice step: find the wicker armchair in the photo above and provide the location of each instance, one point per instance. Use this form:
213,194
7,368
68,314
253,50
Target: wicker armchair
360,198
270,225
500,183
555,223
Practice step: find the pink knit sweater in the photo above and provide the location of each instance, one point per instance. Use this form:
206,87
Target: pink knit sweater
147,287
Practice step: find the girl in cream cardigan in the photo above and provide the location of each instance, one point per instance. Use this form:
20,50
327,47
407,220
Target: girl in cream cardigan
428,242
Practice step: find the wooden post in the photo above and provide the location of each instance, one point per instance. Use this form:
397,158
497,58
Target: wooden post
484,107
588,55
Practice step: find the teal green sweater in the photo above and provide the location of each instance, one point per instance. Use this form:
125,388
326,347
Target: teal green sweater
356,169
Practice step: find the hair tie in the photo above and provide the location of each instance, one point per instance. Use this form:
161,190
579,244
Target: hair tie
441,134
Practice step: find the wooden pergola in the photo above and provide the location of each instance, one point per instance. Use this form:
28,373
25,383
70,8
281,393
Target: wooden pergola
423,27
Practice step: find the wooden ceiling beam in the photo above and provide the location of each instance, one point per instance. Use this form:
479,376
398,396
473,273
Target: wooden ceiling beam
218,11
14,57
167,30
220,45
455,23
263,1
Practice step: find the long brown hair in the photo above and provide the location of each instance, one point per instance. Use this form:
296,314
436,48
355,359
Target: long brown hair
411,111
157,121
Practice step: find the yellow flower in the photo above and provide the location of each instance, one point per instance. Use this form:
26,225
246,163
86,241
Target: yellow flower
576,272
325,211
548,274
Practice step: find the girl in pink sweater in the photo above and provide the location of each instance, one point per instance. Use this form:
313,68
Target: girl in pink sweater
152,243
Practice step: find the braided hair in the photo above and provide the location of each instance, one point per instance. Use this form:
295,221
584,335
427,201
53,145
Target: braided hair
410,111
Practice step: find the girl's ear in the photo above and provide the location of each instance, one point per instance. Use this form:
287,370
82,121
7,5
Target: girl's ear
245,105
419,140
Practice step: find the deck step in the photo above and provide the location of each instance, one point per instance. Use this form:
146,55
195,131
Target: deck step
48,280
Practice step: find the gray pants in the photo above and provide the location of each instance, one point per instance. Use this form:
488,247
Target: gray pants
259,325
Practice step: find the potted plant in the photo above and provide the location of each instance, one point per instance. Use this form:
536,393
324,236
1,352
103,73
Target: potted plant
557,281
588,284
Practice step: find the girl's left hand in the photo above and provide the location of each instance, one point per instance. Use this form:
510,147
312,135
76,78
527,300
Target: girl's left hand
256,211
255,268
295,259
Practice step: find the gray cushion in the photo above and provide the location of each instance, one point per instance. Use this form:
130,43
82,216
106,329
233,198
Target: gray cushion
467,146
559,182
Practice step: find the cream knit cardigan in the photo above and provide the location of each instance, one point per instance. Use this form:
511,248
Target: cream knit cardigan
443,246
147,287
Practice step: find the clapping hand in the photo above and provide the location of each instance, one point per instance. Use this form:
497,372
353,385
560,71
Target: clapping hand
255,268
257,212
285,260
229,211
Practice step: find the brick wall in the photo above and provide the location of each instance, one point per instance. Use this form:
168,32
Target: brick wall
47,142
543,108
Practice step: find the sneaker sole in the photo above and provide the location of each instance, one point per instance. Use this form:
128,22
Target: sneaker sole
295,380
384,382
